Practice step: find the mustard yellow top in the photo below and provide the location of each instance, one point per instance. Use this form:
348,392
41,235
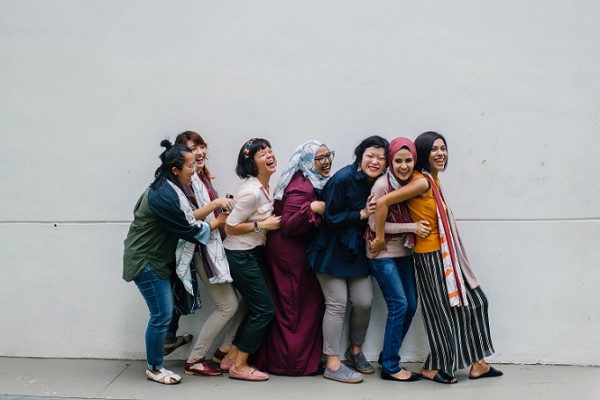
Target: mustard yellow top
423,208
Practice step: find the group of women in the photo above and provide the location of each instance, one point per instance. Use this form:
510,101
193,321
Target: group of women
297,255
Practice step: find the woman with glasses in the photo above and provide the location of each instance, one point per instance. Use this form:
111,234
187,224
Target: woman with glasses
294,341
162,216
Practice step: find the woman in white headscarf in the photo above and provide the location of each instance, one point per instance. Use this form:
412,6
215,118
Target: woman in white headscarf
294,341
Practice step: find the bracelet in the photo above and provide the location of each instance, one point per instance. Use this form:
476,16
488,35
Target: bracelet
256,228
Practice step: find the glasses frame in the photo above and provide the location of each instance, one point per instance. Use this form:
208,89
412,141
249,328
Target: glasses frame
329,157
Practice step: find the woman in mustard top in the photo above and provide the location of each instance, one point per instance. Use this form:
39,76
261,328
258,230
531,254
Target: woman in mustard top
454,308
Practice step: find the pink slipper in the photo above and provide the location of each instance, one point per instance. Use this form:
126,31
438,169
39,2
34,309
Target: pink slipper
252,374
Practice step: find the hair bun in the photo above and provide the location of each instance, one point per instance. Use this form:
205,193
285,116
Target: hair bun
166,144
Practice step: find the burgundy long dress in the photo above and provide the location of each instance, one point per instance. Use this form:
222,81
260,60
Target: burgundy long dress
294,341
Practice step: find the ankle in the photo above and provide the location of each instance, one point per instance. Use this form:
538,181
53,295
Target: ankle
224,348
333,366
355,349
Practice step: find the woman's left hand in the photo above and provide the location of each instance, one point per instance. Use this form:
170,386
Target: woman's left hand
376,246
369,207
423,229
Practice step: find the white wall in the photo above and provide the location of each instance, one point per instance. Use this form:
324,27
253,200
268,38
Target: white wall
89,88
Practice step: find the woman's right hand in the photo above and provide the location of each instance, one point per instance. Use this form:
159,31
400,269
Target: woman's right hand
224,203
423,229
271,223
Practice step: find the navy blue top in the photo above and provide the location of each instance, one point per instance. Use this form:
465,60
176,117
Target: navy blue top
338,247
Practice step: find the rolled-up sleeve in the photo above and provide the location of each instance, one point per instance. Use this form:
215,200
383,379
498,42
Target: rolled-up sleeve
245,206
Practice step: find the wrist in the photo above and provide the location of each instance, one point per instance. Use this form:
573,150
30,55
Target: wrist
256,227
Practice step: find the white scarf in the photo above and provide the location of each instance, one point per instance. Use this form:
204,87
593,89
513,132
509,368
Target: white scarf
214,250
185,250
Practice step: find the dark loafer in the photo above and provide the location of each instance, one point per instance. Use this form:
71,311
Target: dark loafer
442,377
218,356
201,368
179,341
388,377
492,373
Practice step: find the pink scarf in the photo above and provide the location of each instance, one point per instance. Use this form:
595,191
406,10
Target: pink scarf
397,213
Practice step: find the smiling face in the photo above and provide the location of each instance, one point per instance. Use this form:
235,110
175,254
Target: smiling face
403,164
373,162
323,161
199,152
266,163
438,156
184,175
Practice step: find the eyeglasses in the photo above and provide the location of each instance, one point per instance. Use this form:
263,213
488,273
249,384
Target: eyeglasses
329,157
193,166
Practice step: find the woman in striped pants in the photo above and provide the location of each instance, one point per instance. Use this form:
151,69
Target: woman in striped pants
454,308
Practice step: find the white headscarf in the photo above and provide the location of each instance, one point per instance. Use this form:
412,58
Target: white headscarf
303,159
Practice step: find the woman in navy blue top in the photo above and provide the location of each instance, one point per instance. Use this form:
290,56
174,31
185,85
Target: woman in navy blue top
337,255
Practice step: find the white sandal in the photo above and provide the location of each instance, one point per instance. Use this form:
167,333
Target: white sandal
165,377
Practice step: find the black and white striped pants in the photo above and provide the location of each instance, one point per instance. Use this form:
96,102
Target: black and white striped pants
458,336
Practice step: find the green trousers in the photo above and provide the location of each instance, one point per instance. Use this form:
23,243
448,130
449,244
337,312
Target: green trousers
247,271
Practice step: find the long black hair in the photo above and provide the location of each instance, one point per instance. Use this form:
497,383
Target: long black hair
173,156
424,143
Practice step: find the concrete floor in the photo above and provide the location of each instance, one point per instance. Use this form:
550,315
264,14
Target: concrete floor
28,378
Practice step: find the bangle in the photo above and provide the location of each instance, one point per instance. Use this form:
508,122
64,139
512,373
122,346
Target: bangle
256,228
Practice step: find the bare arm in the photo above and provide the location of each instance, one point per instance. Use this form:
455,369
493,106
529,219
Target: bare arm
218,222
271,223
224,203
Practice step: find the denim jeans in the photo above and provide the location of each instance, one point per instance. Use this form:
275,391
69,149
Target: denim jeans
396,280
159,297
174,325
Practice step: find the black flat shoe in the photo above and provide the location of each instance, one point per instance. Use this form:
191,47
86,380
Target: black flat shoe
492,373
388,377
442,377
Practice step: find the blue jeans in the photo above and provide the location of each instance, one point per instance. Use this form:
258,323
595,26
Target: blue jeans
396,278
159,297
174,325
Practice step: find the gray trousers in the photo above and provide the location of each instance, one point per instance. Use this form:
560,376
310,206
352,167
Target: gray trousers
227,308
337,291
